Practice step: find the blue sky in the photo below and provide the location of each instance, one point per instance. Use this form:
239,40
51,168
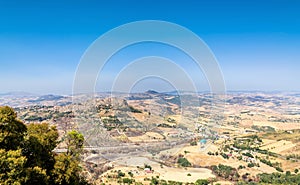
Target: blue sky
256,43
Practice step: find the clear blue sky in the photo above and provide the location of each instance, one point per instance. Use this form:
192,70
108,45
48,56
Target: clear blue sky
257,43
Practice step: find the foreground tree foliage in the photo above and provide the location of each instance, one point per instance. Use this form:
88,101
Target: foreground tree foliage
12,165
12,131
27,157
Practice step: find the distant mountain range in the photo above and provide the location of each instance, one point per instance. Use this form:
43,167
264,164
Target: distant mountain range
19,94
49,97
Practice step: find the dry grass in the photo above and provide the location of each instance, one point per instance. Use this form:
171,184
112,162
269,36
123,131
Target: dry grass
278,125
147,137
278,146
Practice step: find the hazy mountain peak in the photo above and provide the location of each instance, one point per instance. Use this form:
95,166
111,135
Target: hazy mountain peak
151,92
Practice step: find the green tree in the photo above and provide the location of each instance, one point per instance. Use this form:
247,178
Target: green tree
225,171
27,157
40,142
154,181
36,175
12,167
12,131
67,169
202,182
127,181
183,162
46,135
74,142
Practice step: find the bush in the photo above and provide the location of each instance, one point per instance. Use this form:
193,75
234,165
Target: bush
225,156
130,174
134,110
183,162
241,167
248,154
201,182
266,162
193,143
120,174
279,169
210,153
154,181
250,165
127,181
186,152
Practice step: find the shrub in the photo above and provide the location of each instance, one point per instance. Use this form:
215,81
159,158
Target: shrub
248,154
183,162
154,181
130,174
296,170
127,180
193,143
201,182
225,156
279,169
241,167
120,174
210,153
250,165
